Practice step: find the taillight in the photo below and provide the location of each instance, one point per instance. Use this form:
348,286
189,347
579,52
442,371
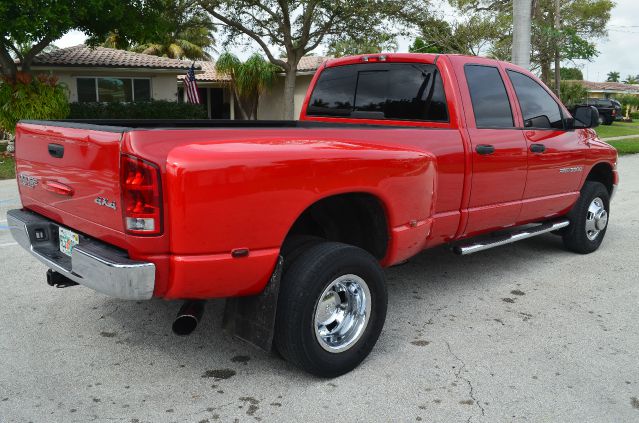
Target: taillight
141,196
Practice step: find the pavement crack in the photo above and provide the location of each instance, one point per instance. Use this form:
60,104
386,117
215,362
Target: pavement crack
458,375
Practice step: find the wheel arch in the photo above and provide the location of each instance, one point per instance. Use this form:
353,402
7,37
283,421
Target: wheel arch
602,172
355,218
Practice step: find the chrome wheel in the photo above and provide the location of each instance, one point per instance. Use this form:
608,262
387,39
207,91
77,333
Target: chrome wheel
342,313
596,218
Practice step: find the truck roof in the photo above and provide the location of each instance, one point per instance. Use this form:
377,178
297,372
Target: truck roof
409,57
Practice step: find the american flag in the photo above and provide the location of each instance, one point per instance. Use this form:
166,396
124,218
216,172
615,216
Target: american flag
190,86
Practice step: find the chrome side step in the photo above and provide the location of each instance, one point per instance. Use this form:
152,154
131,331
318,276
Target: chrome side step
486,244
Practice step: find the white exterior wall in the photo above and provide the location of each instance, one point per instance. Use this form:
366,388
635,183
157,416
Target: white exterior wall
164,87
270,107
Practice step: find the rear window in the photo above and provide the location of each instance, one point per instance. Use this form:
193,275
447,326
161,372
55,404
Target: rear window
398,91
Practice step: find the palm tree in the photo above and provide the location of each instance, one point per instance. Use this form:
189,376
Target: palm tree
613,77
632,79
248,80
115,40
182,31
521,32
188,43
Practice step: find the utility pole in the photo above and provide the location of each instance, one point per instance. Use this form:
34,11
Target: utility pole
557,28
521,32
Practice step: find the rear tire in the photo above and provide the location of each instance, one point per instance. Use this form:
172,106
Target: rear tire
588,219
331,308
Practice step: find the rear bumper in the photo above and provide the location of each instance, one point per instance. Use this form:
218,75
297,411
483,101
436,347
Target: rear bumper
93,263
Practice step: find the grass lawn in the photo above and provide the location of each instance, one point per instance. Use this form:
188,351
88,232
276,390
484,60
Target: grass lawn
7,168
618,129
629,146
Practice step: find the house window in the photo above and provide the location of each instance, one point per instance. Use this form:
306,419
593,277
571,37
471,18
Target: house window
108,90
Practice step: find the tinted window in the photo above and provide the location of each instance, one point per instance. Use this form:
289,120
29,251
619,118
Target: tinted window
539,109
334,92
399,91
115,89
141,89
489,97
86,90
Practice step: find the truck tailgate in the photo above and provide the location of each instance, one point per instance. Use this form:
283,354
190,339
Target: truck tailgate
71,170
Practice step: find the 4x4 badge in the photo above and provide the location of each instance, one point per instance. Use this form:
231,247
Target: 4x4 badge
101,201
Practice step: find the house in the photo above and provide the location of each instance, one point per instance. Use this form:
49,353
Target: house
215,93
608,89
270,105
108,75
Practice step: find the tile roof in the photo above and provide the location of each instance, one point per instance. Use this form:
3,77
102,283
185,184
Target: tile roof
311,63
608,86
209,74
83,56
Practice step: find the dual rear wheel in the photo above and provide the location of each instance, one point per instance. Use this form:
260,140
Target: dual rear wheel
332,301
331,308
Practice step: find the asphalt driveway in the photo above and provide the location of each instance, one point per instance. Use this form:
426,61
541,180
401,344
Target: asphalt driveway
526,332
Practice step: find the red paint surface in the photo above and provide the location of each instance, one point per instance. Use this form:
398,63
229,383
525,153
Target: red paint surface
233,188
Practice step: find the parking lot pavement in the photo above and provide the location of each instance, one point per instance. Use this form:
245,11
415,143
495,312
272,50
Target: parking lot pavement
526,332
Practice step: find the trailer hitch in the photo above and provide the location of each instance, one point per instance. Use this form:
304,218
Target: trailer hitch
58,280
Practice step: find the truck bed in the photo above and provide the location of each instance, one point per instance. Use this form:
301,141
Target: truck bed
126,125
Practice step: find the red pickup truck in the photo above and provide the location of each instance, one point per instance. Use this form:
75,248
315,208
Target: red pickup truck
293,221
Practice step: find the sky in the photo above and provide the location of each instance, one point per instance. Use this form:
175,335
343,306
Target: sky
618,52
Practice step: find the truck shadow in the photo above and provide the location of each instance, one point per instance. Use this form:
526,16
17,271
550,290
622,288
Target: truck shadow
430,279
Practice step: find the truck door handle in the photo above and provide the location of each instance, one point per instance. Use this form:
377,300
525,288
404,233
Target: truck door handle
56,150
58,188
485,149
537,148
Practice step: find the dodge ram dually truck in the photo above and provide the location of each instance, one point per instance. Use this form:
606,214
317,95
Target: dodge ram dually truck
293,221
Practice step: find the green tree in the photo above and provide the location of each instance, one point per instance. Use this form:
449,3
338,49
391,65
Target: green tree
628,102
568,74
26,97
299,27
183,31
30,26
572,93
631,79
470,34
613,76
249,80
582,23
374,43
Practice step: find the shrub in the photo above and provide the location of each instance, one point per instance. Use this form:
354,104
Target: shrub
27,97
156,109
634,115
572,93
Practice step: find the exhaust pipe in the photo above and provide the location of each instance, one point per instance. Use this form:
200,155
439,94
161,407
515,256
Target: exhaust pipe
188,317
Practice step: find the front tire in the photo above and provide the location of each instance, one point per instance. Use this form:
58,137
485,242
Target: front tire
331,309
588,219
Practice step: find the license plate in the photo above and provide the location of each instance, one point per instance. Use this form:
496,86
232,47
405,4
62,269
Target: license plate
68,240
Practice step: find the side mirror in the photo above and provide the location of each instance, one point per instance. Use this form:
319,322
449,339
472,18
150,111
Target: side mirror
586,117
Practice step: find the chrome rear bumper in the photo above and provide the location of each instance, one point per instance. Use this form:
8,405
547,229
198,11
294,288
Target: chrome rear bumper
93,263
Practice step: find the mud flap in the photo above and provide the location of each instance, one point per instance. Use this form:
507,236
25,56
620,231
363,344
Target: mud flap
252,319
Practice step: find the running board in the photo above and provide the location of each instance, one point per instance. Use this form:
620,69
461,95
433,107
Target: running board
486,244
